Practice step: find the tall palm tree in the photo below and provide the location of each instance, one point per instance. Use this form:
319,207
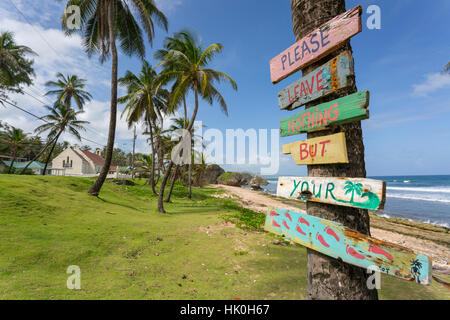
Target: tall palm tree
353,188
68,88
103,22
325,274
15,68
446,69
188,66
145,98
14,140
61,119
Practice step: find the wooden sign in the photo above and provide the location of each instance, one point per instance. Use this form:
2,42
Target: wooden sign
320,150
343,110
335,240
316,45
350,192
321,82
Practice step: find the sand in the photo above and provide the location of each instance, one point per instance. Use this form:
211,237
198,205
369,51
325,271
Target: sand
439,253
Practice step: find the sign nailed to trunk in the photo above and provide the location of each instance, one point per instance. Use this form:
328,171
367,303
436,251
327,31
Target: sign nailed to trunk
320,150
349,192
337,241
343,110
324,80
316,45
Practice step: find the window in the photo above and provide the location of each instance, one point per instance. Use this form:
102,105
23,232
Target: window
71,163
64,164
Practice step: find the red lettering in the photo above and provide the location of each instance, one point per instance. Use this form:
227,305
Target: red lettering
304,149
289,95
313,153
323,118
303,90
323,143
312,85
303,119
318,81
336,112
311,120
291,126
295,91
298,124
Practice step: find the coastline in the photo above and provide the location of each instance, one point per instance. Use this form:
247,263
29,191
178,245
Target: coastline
429,239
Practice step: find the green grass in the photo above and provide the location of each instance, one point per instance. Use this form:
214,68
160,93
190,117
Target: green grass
127,250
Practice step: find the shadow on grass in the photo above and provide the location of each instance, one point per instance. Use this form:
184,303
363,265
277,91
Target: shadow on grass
120,204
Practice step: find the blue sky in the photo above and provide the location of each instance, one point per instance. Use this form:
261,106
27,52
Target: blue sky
408,131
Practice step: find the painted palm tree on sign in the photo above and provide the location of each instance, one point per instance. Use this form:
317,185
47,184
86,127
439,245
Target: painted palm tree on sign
353,188
145,101
68,88
103,22
188,65
61,119
14,141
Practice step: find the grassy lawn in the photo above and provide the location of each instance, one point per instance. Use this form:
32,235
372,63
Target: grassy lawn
127,250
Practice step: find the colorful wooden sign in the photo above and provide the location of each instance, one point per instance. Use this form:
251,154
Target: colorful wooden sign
343,110
350,192
335,240
320,150
316,45
321,82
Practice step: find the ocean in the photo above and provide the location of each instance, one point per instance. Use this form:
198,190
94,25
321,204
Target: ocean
417,198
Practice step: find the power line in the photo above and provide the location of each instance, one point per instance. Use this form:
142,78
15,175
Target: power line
40,118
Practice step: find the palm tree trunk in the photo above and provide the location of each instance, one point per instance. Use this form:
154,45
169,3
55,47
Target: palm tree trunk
169,167
96,187
12,162
37,156
50,154
174,179
329,278
190,178
152,173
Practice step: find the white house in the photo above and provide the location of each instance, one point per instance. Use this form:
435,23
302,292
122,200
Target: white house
76,162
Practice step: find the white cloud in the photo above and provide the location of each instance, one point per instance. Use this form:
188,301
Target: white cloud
432,83
168,6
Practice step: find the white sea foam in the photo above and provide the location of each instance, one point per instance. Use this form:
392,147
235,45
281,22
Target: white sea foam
441,224
422,189
412,197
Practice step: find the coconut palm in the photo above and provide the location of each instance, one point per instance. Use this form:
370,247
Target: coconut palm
188,66
61,119
15,69
324,282
103,22
353,188
145,99
68,88
14,140
446,69
144,165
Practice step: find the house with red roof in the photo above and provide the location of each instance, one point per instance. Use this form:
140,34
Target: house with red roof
77,162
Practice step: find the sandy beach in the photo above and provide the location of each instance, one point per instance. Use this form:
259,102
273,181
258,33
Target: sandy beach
428,239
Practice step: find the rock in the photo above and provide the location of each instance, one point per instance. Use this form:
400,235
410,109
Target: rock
121,182
246,177
213,171
257,181
231,179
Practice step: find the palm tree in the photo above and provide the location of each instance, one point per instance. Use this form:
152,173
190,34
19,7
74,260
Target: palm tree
67,88
15,68
351,187
14,141
326,274
61,118
144,100
446,69
144,165
187,65
103,22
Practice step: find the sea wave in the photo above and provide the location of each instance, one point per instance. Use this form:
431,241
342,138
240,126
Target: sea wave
422,189
412,197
